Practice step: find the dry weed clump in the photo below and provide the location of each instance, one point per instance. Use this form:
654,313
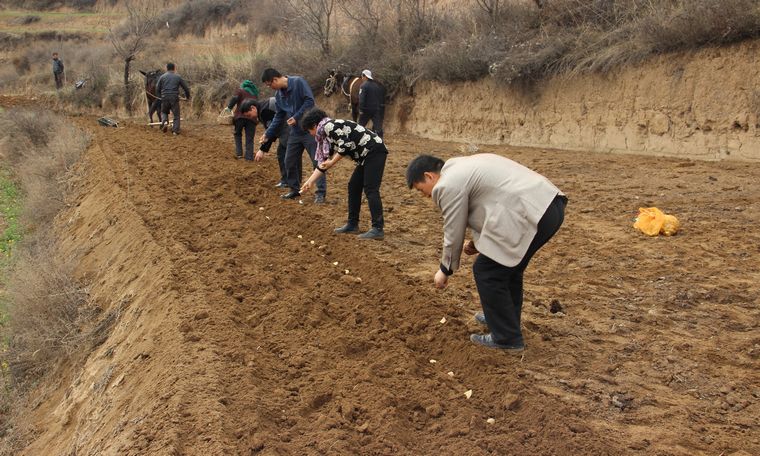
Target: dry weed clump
197,16
48,311
41,149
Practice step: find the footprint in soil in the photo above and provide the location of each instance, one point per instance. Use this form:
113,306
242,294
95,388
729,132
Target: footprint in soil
555,306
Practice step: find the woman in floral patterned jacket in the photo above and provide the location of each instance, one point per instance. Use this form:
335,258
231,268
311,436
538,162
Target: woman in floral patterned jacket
337,138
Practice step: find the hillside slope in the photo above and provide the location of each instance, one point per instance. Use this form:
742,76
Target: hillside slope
701,104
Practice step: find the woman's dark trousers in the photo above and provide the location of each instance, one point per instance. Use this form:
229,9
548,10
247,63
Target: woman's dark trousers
367,177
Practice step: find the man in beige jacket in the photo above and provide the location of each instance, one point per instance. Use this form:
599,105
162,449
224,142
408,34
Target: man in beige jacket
511,211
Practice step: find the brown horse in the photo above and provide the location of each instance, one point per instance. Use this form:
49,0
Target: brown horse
154,103
348,85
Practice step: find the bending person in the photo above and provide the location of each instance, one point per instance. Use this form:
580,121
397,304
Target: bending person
336,139
246,91
511,211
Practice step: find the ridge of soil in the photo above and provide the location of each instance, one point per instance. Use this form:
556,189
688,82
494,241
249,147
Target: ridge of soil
238,335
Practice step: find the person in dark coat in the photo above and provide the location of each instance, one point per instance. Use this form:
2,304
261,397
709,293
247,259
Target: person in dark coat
293,97
167,89
246,91
58,73
267,110
371,103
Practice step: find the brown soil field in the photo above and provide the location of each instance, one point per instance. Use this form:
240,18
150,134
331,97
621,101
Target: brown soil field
239,335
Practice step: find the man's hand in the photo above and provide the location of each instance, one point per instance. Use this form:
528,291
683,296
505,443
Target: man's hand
263,138
469,248
292,121
305,187
440,279
259,156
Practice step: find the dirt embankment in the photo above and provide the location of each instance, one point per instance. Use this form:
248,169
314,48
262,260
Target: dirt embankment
702,104
238,335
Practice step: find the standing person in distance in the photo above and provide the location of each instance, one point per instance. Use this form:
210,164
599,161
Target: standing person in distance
58,73
336,139
246,91
293,97
167,89
371,103
511,212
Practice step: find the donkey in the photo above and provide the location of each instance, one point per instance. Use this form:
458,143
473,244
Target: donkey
154,102
349,86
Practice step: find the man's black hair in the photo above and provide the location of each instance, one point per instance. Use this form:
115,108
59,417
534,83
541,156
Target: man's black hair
247,105
420,165
312,118
169,66
269,74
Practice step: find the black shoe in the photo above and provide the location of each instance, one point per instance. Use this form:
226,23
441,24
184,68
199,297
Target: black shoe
374,233
281,185
480,317
238,157
347,229
486,340
175,133
164,127
293,194
319,199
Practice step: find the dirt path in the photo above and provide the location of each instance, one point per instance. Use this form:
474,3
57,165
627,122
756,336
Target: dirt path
248,339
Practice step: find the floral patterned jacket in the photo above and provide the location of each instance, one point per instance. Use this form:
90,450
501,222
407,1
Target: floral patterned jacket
350,139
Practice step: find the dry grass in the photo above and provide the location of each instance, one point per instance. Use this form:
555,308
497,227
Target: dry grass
47,319
402,41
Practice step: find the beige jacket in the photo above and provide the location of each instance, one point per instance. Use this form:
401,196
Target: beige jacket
501,201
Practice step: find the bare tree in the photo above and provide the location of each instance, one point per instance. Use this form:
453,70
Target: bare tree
491,7
131,37
315,16
366,14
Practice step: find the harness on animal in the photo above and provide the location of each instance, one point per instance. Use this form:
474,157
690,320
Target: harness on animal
330,84
350,90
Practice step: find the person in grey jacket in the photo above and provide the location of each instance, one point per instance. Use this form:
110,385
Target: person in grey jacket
58,73
511,212
167,89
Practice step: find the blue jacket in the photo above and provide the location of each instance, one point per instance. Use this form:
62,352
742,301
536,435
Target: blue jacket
292,101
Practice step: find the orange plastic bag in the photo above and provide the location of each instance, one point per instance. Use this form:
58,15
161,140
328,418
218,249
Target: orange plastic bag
652,221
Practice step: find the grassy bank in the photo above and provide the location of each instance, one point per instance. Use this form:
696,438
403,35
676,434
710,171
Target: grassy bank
44,310
10,208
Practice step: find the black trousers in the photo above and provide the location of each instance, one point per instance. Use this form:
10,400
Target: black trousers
501,287
170,103
368,177
297,142
376,116
244,123
58,80
282,148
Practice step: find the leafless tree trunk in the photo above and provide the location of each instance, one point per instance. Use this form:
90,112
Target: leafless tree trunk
316,18
130,38
491,7
366,14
